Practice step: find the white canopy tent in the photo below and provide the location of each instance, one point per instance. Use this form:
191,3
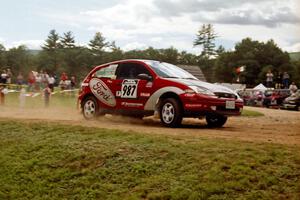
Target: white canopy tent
260,87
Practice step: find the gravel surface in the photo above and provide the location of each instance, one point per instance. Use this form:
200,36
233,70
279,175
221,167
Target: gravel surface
277,126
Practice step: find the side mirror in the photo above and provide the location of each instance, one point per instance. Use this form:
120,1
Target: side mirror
144,77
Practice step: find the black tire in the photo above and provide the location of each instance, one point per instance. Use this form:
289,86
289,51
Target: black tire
215,120
170,112
90,108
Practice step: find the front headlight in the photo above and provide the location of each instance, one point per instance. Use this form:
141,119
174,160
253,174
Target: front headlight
201,90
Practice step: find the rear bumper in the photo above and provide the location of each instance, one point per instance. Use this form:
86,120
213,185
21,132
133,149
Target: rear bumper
198,105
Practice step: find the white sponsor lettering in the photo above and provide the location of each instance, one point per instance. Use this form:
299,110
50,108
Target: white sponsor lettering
102,92
126,104
145,94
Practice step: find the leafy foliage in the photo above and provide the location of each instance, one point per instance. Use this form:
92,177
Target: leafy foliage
205,38
258,57
63,54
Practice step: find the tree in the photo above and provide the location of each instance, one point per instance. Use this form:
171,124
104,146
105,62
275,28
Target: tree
116,52
258,57
205,38
68,40
52,42
170,55
19,59
2,56
51,55
220,50
97,45
187,58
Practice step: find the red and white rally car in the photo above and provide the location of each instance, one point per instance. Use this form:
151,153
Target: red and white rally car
140,87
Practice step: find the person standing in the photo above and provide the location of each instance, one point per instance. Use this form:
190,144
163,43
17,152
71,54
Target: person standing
4,77
9,76
269,79
3,92
51,81
293,88
47,95
286,80
20,79
278,80
31,82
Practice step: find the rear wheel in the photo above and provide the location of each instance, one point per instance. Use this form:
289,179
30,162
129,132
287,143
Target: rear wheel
215,120
170,112
90,108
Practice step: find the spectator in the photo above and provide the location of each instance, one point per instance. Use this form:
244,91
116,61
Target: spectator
73,82
3,92
63,85
278,84
38,82
31,81
56,80
20,79
47,94
269,79
51,82
293,88
286,80
63,77
44,79
63,81
4,77
9,76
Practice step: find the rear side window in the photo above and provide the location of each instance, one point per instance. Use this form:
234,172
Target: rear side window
131,70
106,72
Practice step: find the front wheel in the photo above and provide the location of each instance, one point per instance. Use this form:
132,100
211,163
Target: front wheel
90,108
215,120
170,112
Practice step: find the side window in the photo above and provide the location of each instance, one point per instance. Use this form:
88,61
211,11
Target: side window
130,71
106,72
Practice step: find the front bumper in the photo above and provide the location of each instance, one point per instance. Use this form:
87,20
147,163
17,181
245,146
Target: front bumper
197,104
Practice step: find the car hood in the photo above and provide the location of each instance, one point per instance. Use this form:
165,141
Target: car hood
215,88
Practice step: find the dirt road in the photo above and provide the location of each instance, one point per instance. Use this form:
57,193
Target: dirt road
277,126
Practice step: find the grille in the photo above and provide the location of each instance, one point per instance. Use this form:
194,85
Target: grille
225,95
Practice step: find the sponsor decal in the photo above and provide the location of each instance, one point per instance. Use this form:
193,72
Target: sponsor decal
143,94
84,84
102,92
126,104
118,93
193,105
129,89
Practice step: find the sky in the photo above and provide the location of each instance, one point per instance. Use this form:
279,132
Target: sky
138,24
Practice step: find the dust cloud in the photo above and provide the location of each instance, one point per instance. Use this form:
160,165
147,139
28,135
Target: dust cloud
277,126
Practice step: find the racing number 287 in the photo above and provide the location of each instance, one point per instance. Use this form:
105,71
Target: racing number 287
128,90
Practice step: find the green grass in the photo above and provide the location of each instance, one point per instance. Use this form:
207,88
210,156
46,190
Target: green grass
69,101
57,100
52,161
251,113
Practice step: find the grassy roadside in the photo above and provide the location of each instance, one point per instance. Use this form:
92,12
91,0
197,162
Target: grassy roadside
50,161
70,101
251,113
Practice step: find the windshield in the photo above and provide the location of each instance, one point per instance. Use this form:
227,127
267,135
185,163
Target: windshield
167,70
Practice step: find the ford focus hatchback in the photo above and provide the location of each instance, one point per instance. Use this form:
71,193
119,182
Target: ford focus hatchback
140,88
